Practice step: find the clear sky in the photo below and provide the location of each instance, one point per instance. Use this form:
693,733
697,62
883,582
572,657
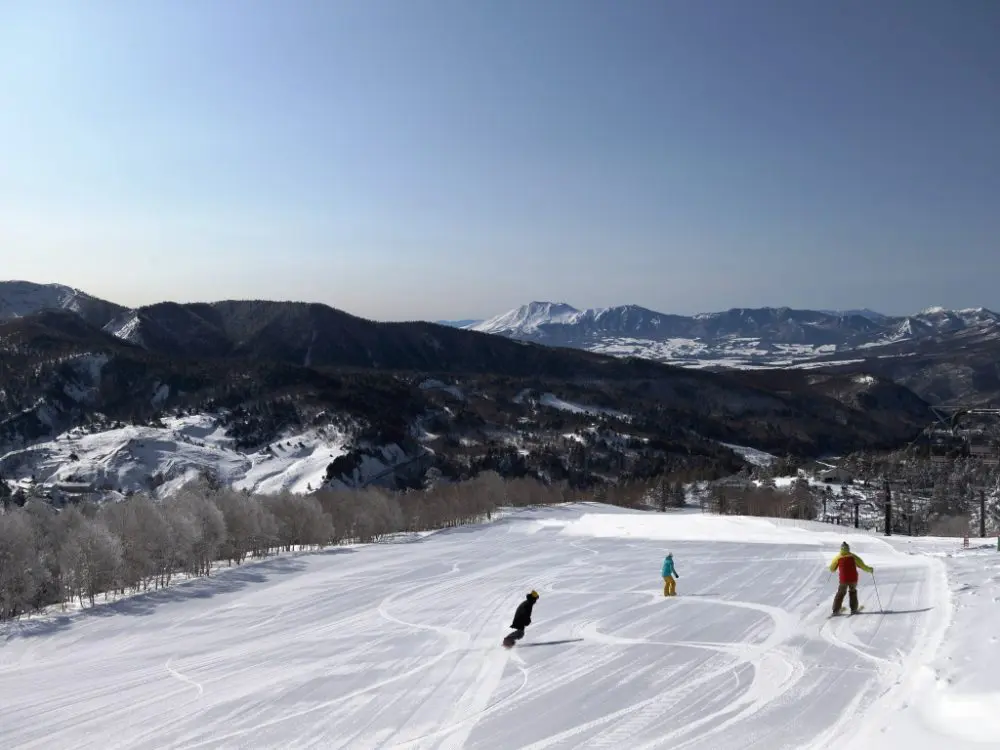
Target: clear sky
456,158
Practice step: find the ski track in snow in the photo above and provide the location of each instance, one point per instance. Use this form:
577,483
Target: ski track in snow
398,646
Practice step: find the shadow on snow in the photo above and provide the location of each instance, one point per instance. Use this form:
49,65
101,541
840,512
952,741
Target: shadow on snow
224,581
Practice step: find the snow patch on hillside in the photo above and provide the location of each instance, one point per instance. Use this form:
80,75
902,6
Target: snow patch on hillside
141,458
126,327
87,368
554,402
752,455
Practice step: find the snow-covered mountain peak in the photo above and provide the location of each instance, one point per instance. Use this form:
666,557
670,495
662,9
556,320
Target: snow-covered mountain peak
964,313
528,318
934,310
945,320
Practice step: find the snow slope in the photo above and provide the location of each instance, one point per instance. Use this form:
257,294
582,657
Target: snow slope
127,458
752,455
397,646
554,402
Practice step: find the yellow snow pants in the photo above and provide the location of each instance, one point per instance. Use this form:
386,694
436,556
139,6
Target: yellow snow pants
669,586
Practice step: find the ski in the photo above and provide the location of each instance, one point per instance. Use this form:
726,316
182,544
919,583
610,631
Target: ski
841,612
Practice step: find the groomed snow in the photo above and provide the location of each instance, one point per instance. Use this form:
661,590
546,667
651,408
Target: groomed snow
397,646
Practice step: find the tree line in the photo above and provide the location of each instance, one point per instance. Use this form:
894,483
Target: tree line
82,552
927,498
799,501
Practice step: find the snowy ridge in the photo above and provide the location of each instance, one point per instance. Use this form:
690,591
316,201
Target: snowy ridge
398,646
21,298
163,459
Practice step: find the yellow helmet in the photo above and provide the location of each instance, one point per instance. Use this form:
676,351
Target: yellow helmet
533,594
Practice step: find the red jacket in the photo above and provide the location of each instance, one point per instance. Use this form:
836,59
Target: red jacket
848,564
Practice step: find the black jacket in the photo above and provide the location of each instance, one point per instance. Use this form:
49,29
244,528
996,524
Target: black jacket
522,617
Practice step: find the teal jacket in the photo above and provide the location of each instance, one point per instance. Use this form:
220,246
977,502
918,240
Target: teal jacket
668,567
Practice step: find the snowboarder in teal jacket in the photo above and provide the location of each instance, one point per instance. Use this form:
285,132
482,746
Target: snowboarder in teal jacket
669,573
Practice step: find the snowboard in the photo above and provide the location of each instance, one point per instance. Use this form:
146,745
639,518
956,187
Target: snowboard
841,612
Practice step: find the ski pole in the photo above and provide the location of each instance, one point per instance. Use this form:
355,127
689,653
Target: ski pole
877,597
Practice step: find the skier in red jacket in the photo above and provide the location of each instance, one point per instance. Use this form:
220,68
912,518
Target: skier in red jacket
847,563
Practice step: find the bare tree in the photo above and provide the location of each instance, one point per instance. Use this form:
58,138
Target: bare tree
244,517
300,519
80,552
198,530
19,568
90,557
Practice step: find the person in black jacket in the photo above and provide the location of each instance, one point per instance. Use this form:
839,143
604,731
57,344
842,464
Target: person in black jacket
522,619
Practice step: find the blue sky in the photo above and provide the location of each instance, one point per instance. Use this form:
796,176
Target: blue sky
455,158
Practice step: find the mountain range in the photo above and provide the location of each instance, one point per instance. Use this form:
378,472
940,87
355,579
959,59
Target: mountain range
741,336
457,400
944,355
